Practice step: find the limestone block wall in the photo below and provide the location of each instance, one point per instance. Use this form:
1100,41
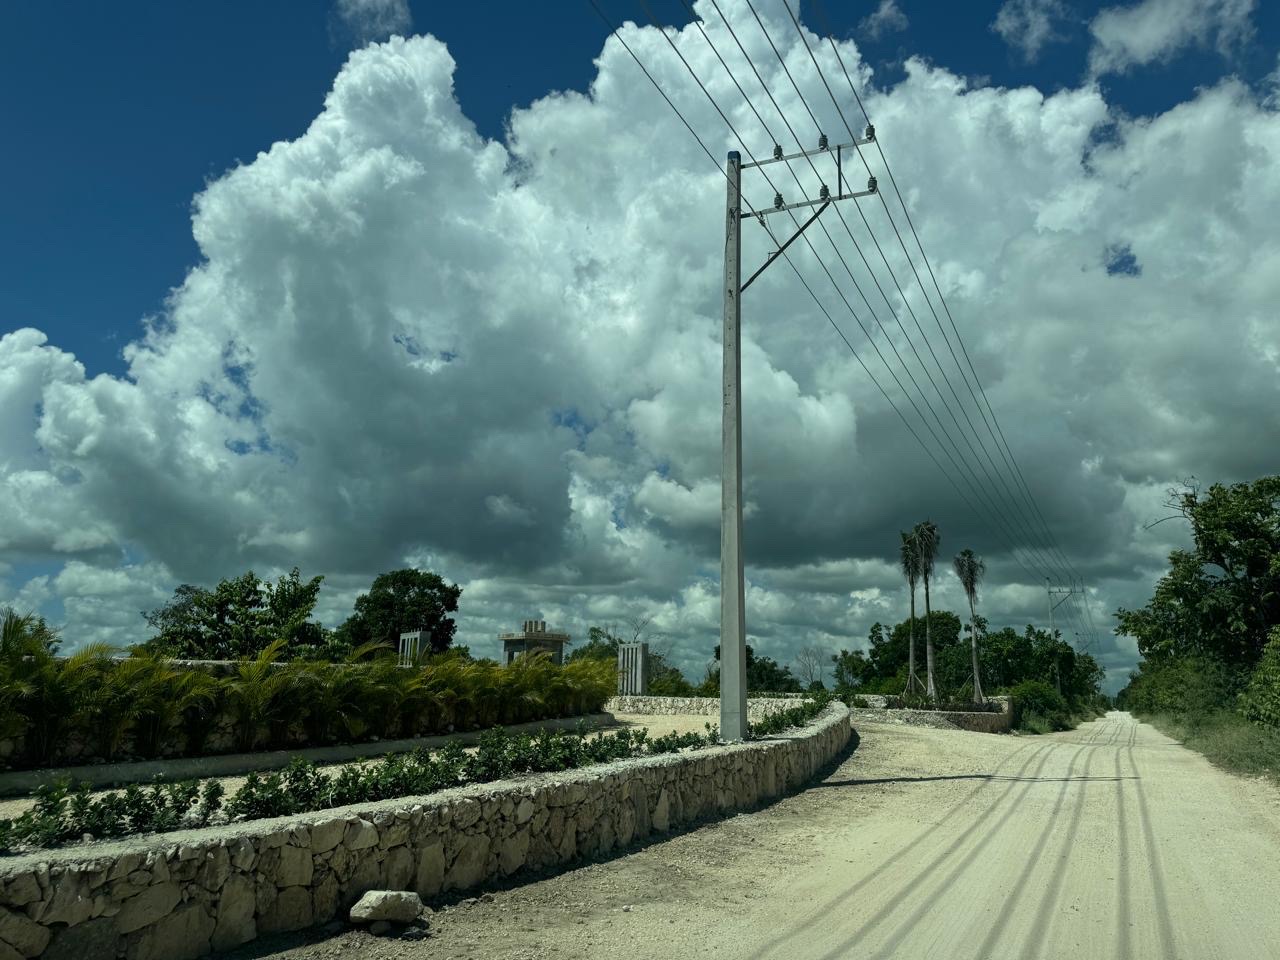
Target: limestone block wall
757,707
181,895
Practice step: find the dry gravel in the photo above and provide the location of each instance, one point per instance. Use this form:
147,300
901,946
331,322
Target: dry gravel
1108,841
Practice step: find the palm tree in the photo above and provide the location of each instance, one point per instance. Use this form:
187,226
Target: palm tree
970,568
909,559
927,541
264,694
165,703
48,693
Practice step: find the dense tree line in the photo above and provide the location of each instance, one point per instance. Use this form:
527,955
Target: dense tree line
1210,634
1006,657
244,615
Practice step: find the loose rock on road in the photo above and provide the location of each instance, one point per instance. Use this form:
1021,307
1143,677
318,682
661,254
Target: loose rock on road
1109,841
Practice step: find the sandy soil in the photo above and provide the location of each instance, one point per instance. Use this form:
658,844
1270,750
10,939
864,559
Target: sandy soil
11,807
1110,841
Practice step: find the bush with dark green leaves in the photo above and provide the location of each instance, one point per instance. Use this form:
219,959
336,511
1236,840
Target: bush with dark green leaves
1039,708
60,813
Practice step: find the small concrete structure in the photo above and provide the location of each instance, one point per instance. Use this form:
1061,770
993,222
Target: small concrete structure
633,669
534,638
412,643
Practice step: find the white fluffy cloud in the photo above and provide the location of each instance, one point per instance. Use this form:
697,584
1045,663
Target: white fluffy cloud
1028,25
409,344
886,18
1155,30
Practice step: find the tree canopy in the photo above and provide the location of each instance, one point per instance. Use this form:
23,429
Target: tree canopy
238,618
403,600
1221,598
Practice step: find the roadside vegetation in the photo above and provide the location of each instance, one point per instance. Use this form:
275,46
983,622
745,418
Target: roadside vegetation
67,813
147,705
1053,686
1210,634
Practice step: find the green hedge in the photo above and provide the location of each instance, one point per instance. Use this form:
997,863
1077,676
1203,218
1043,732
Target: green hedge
61,813
147,706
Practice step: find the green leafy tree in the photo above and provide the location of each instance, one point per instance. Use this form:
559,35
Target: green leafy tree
403,600
602,644
970,569
238,619
851,669
1221,598
764,674
1260,701
909,561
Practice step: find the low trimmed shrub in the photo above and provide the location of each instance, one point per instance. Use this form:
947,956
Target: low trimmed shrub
62,814
791,717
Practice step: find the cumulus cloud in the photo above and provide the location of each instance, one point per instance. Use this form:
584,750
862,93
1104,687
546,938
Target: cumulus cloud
1029,25
1156,30
407,344
367,20
886,18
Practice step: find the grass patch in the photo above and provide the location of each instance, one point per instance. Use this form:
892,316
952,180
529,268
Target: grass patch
1226,739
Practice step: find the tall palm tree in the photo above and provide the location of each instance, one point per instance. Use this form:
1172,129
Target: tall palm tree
909,559
927,541
970,568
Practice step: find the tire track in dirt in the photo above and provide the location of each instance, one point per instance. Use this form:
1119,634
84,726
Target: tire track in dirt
1032,946
1123,910
909,887
1032,861
802,925
1164,922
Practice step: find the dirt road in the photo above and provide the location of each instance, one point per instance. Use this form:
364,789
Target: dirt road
1110,841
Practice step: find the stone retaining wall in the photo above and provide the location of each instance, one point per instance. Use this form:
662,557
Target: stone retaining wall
757,707
977,722
180,895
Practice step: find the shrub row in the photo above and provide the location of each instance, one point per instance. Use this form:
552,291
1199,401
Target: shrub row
791,717
61,814
90,705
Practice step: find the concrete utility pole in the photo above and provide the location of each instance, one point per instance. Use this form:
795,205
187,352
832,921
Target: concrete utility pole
733,620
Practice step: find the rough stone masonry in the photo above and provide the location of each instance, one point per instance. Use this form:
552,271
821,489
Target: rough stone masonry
186,894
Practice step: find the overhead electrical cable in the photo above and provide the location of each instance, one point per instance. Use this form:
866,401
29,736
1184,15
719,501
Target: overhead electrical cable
976,486
963,464
1017,517
1043,546
988,415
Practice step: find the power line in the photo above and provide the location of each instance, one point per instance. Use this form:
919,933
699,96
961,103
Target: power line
963,465
821,307
1002,444
1018,517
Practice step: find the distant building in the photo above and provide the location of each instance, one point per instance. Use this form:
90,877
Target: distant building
534,638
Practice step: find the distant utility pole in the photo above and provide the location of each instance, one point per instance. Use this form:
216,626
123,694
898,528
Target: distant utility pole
1066,593
733,620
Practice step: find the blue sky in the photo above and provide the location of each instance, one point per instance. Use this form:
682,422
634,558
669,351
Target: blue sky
116,116
323,391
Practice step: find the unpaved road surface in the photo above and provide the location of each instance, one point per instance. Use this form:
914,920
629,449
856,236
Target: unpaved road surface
1110,841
